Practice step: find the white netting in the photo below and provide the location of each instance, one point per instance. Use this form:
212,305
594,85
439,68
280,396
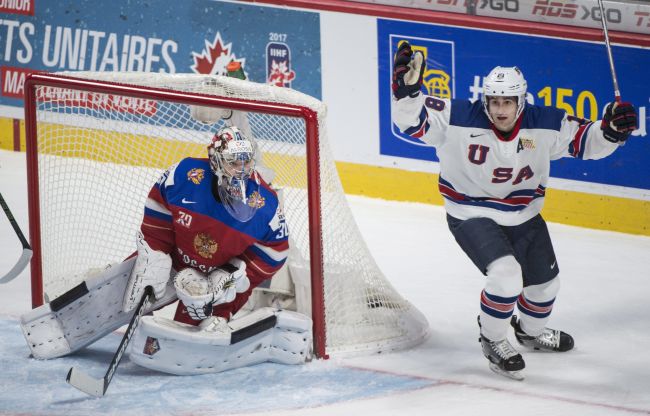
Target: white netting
99,154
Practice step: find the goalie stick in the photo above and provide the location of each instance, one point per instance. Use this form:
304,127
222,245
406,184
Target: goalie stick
97,387
27,249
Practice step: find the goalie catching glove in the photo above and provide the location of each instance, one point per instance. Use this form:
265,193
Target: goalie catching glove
200,293
408,68
152,268
618,122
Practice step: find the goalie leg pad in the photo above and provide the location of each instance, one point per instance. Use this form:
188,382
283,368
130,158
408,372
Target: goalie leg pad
265,335
82,315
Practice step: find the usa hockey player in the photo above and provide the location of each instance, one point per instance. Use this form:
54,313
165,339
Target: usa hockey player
494,167
221,226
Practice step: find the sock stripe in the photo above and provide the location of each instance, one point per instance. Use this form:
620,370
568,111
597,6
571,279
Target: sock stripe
535,309
497,306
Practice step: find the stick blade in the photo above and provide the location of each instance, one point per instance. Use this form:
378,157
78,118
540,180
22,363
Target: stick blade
18,267
87,384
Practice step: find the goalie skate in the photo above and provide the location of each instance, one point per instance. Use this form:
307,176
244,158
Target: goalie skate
548,340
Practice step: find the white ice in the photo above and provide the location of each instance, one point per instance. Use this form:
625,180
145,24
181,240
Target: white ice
604,303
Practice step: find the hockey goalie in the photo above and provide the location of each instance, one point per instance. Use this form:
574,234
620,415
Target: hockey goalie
213,230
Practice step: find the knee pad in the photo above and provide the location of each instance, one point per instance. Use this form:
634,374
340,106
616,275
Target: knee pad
504,277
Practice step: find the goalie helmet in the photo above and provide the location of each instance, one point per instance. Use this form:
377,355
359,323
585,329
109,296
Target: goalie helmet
505,82
232,160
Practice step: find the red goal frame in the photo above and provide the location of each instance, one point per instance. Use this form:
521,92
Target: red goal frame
310,117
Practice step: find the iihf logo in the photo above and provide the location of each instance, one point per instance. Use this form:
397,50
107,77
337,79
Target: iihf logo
214,58
278,65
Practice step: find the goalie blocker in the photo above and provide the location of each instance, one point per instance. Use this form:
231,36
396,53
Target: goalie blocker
264,335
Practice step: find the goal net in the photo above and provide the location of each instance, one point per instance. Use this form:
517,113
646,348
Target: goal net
96,143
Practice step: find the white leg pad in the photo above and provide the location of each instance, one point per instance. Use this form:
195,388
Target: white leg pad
264,335
82,315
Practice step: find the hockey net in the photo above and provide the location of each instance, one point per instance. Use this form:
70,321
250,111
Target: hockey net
98,141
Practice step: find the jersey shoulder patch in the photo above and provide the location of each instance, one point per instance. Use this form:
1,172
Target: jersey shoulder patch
271,213
270,196
186,174
192,171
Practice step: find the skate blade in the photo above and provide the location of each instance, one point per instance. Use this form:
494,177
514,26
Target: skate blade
515,375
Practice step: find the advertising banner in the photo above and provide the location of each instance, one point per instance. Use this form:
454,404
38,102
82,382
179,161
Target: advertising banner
567,74
620,15
274,45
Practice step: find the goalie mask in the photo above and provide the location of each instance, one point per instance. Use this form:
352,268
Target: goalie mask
232,160
505,82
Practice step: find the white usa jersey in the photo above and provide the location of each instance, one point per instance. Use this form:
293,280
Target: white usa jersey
483,174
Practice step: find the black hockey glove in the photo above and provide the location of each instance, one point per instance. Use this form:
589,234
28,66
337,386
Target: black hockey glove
618,122
407,72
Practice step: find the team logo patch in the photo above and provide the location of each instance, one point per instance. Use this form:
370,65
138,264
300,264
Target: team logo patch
196,175
525,143
205,245
255,200
151,346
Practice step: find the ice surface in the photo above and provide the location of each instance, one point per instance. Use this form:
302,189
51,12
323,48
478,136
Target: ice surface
604,303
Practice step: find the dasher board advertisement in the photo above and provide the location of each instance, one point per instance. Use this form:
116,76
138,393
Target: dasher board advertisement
567,74
277,46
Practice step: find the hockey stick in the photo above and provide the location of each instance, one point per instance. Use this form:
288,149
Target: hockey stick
27,249
617,92
97,387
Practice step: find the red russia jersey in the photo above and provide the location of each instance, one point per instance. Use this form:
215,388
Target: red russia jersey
182,218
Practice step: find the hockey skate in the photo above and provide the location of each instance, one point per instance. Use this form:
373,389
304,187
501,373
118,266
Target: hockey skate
548,340
503,357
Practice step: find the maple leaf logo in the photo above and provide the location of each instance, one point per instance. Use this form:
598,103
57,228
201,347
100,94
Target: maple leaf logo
214,57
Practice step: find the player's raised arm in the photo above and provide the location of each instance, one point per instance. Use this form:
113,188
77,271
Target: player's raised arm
415,114
584,139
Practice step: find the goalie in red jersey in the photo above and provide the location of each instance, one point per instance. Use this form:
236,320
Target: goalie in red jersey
212,231
218,223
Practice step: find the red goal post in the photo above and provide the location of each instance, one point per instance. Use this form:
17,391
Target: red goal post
83,115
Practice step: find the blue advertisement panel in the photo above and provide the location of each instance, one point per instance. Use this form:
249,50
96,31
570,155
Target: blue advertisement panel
274,45
571,75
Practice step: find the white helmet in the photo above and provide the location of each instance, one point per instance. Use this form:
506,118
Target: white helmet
232,160
505,82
